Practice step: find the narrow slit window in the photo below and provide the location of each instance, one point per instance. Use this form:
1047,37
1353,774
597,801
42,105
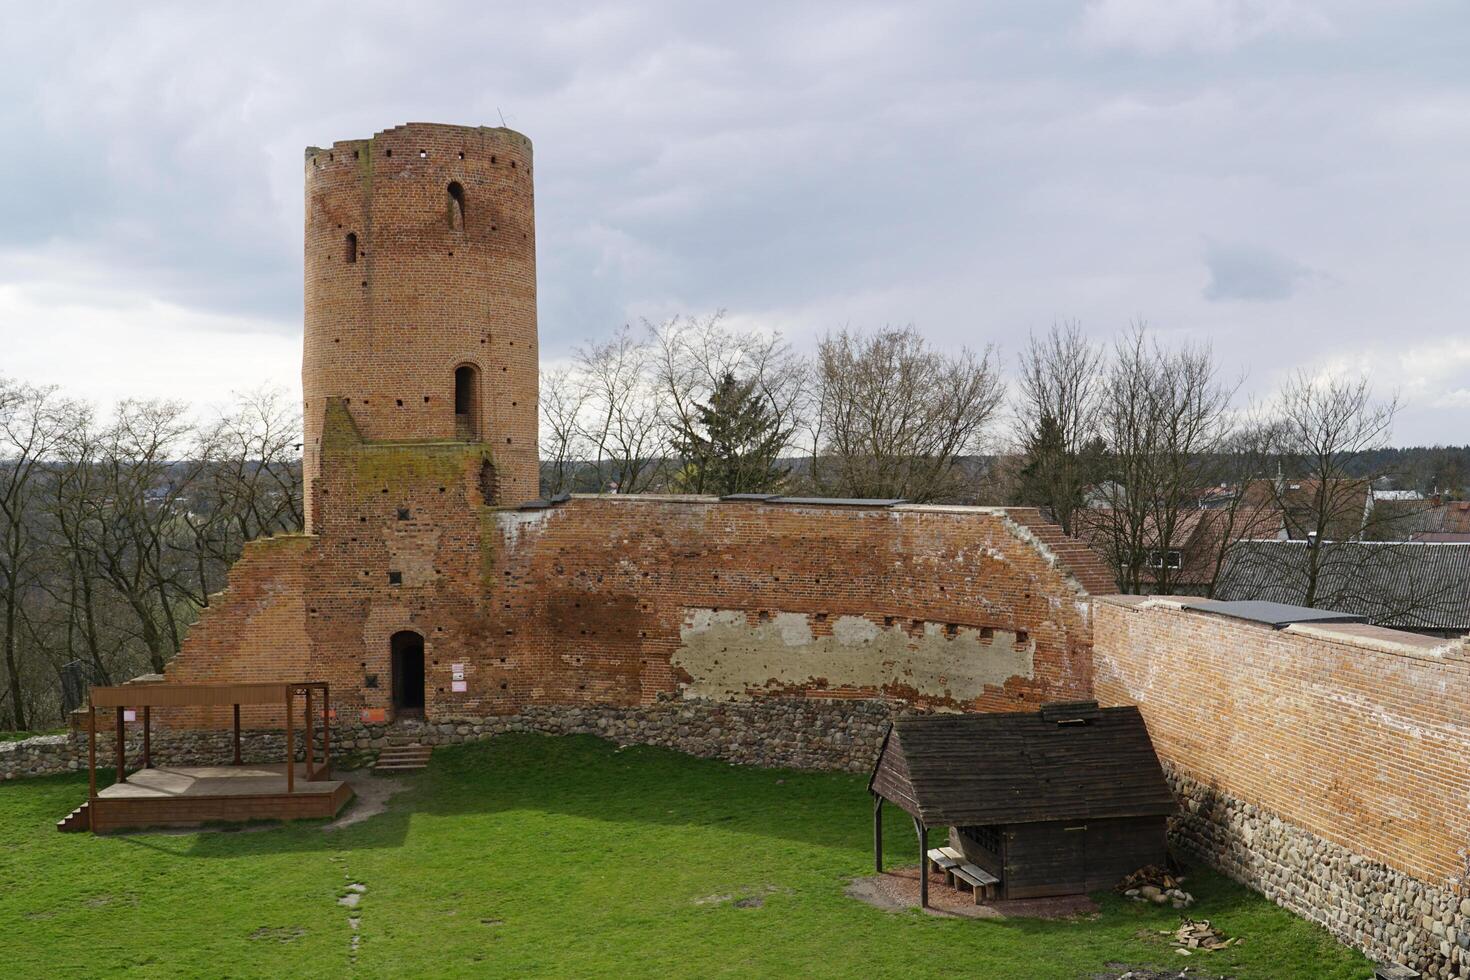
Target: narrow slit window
456,206
351,252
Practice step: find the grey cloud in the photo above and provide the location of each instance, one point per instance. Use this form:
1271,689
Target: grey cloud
977,169
1245,272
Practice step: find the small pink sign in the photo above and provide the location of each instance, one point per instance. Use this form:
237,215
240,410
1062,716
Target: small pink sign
459,687
129,714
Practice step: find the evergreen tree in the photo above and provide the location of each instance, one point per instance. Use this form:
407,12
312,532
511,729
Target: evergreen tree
733,444
1053,478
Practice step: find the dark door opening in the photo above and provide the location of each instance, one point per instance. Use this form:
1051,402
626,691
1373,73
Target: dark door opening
408,675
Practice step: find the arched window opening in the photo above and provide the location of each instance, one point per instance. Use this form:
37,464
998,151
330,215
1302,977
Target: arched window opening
466,401
351,246
456,206
407,650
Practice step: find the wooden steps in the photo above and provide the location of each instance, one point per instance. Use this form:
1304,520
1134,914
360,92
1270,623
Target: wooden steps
403,758
76,821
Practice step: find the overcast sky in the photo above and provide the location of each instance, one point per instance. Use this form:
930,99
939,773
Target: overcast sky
1289,179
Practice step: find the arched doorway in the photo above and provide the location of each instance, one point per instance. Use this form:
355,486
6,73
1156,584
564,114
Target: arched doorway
466,402
408,674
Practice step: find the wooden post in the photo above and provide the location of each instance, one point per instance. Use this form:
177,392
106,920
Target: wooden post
310,736
326,734
877,833
147,737
290,748
923,864
237,735
122,752
92,752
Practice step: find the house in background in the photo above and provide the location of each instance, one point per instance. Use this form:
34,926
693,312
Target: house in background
1415,586
1443,521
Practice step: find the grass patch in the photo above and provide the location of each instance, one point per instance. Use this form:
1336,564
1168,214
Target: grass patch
531,855
22,736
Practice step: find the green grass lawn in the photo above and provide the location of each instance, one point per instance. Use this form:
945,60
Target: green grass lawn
531,855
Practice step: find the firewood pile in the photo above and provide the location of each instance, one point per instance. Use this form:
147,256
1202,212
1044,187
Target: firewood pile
1198,934
1157,885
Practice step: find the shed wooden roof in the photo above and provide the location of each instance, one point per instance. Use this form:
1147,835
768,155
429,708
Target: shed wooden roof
1065,762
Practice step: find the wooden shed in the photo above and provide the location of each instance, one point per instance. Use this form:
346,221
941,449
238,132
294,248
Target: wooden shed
1065,800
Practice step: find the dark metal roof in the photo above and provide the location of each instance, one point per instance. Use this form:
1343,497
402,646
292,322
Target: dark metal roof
1275,614
1411,585
1065,762
750,496
839,501
542,503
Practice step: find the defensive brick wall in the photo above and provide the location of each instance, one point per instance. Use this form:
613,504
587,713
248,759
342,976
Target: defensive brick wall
1324,765
622,599
627,601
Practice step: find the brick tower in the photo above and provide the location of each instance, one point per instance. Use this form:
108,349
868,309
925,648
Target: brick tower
421,295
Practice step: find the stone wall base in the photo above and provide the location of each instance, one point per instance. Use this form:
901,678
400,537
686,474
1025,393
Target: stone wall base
1388,915
789,732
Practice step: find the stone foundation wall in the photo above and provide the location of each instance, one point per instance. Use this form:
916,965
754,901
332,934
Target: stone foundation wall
788,732
1389,915
44,755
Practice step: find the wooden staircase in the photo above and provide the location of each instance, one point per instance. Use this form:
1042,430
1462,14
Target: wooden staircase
403,758
76,821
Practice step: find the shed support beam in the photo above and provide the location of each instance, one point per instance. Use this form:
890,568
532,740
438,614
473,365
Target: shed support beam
923,863
326,732
290,747
310,737
122,748
877,834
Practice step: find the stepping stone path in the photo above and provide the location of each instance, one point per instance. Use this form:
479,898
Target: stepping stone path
403,758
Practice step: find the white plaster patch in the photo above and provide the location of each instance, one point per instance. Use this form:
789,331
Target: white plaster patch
514,523
728,658
854,629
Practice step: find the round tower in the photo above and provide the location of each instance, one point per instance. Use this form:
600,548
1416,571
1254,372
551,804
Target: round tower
421,294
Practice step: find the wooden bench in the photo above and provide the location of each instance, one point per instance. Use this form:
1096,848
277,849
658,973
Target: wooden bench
982,883
942,860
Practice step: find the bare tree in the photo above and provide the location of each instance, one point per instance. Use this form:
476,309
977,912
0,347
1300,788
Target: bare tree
1058,392
1166,422
1236,513
563,452
894,417
31,422
146,474
249,485
620,414
1327,426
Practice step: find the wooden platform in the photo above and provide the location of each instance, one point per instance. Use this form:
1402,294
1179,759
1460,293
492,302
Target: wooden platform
184,796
